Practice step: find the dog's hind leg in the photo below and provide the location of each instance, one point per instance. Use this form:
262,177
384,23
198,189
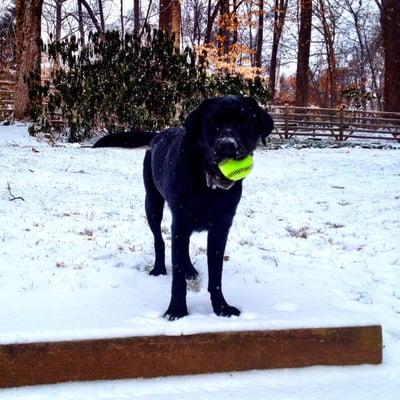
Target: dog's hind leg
154,204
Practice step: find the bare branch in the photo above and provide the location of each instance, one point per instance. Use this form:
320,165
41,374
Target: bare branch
92,16
146,19
12,197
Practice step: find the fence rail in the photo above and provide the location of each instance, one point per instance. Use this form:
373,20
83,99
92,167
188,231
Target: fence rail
339,124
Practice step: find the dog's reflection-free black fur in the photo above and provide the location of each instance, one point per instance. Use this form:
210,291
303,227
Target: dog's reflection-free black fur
181,168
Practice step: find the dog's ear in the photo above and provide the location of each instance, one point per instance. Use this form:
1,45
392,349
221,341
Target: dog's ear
265,120
193,120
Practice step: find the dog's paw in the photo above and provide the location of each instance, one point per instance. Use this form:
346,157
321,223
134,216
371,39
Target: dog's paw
158,271
226,311
175,312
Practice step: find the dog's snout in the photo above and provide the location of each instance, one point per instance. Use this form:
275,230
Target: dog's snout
227,148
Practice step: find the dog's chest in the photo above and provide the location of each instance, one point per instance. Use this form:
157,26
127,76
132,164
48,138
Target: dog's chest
202,212
200,216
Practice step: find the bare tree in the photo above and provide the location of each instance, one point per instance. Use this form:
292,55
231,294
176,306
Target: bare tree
136,15
365,73
28,56
121,15
194,21
223,26
374,50
212,12
176,21
170,18
249,13
101,14
99,26
234,23
197,20
303,55
328,18
146,19
59,4
391,44
279,22
260,34
80,22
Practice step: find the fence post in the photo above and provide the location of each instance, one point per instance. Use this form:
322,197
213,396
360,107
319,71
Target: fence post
286,122
341,125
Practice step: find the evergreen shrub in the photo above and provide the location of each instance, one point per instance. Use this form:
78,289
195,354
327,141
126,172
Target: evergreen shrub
135,82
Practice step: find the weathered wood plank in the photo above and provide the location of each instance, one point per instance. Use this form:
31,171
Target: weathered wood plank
153,356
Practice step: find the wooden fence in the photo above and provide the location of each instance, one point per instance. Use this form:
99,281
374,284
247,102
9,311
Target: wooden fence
7,88
340,124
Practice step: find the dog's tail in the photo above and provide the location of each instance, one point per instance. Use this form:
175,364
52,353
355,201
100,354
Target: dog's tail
129,139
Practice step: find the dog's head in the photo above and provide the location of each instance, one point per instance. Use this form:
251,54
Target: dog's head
226,127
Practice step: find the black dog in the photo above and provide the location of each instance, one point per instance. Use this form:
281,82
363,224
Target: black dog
181,167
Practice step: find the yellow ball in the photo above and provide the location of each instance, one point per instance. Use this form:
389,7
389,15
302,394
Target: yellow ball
235,170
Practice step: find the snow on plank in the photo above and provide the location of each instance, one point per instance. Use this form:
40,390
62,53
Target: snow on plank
155,356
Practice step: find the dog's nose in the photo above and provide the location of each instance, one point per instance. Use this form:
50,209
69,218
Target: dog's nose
227,148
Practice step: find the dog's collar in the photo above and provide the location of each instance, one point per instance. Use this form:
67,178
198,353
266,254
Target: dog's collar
215,181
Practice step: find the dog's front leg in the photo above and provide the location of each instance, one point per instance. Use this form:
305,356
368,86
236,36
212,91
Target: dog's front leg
216,243
180,248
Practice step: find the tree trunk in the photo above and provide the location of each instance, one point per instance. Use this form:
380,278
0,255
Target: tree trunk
260,34
279,22
303,56
249,22
235,22
196,24
80,23
391,43
136,15
362,49
101,14
328,29
210,21
122,20
170,18
176,21
28,57
59,4
375,84
223,30
164,22
92,16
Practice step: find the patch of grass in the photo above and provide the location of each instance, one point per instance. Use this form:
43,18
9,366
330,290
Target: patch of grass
194,285
87,232
300,233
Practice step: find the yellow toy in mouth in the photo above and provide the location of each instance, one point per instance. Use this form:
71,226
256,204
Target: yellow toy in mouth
235,170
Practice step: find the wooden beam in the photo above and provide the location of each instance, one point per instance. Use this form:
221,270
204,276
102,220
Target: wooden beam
154,356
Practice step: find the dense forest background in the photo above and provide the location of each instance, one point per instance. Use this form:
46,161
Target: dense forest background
326,53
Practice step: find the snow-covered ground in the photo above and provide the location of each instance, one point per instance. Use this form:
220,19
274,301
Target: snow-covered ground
315,242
